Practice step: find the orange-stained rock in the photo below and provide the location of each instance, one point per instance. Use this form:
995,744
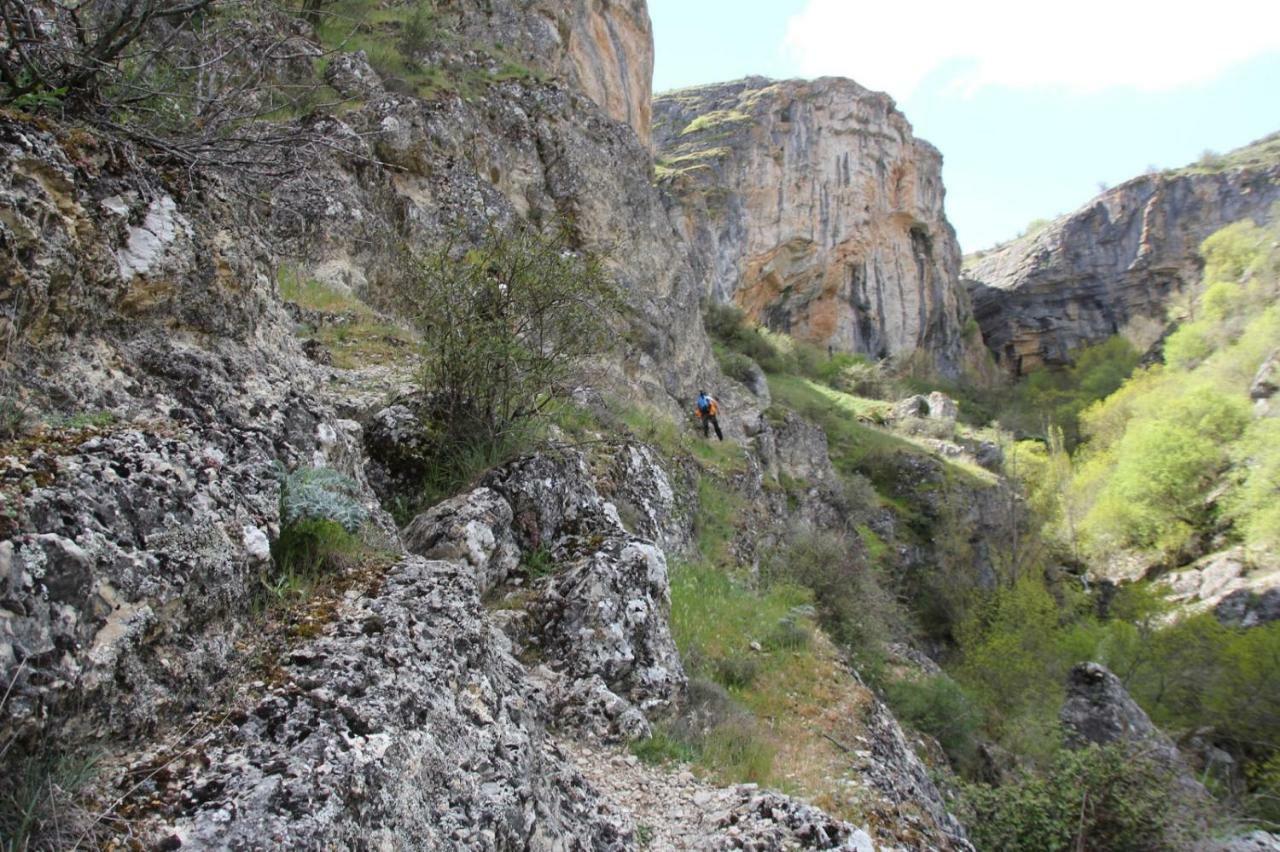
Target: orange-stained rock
812,206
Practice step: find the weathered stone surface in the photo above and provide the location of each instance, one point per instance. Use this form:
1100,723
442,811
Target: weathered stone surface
1265,384
602,48
1098,710
474,528
607,615
1112,265
1230,583
812,206
405,725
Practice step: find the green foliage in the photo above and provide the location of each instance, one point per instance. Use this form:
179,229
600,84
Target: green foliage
716,119
662,747
419,30
1012,658
733,364
735,672
1254,505
716,617
321,494
503,326
538,563
736,750
13,415
37,796
940,707
728,325
1095,798
307,551
1174,454
853,604
1049,398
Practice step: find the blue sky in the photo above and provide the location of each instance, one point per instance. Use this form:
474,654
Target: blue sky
1029,125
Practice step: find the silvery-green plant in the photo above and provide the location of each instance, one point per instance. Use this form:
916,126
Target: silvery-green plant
321,493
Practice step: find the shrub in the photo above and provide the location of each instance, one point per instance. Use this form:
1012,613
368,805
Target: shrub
735,365
940,707
1095,798
503,325
736,672
38,792
321,494
13,417
788,635
853,605
320,513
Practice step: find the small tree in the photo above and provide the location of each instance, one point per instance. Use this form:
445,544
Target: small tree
503,325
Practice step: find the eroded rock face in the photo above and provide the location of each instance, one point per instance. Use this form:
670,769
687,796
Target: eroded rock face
1111,266
407,723
1099,710
812,206
133,545
603,48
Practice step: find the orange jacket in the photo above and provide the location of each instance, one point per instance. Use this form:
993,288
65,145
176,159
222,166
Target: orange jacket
713,408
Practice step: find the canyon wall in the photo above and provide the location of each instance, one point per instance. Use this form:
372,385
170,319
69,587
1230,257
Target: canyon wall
1113,265
812,206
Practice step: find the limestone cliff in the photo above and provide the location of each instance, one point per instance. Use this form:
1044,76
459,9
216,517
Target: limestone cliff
812,206
603,48
1113,265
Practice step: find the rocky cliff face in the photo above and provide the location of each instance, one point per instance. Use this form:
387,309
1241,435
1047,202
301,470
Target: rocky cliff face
602,48
812,206
1113,265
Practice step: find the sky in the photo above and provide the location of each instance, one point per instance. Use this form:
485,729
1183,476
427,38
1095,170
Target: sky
1035,107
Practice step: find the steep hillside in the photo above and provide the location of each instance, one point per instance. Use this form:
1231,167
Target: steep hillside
812,206
1117,263
232,613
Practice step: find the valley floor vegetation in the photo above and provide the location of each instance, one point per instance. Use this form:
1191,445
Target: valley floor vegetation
1158,465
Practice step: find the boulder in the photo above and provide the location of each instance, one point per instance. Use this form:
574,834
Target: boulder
1265,384
607,616
473,528
1099,711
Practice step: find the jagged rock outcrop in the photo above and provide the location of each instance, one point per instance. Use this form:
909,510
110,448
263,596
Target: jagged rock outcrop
1114,264
812,206
151,315
406,725
1237,589
1098,710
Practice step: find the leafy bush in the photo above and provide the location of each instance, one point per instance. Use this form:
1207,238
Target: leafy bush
503,325
735,365
1055,397
853,605
1095,798
736,671
320,513
788,635
940,707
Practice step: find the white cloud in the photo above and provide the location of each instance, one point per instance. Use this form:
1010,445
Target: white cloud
1083,45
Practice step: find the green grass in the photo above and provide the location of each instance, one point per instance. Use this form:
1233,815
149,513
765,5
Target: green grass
719,118
716,616
855,446
358,336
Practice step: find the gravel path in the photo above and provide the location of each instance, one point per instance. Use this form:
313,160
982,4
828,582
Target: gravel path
671,809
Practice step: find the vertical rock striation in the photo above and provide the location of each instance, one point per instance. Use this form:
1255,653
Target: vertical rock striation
812,206
602,48
1114,264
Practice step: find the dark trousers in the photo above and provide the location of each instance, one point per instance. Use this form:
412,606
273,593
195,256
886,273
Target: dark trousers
709,420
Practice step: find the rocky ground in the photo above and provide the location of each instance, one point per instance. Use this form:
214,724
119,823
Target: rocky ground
669,808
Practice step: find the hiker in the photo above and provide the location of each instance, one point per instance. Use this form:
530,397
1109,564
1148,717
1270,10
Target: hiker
707,409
